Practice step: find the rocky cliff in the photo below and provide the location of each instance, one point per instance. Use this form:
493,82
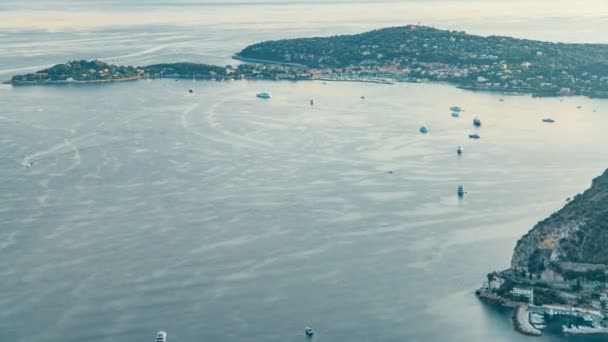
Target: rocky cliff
577,233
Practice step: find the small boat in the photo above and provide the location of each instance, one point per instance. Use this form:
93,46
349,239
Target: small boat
423,129
502,100
309,332
312,102
579,107
455,109
549,120
263,95
476,122
190,91
456,114
474,136
461,191
161,336
459,150
362,97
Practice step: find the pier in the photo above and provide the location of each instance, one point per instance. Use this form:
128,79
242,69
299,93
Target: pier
521,318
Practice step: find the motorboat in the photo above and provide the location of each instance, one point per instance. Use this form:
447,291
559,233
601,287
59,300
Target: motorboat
459,150
423,129
455,109
263,95
161,336
456,114
549,120
461,191
309,332
476,122
474,136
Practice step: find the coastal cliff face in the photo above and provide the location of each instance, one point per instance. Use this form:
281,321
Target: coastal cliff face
577,233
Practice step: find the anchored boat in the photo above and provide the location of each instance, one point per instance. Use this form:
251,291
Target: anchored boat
460,191
476,122
456,109
161,336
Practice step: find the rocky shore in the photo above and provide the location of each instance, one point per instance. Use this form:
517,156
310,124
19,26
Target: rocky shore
521,321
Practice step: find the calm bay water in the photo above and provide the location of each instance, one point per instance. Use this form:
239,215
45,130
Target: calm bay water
221,217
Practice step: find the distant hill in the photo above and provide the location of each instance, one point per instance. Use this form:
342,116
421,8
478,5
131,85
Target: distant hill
79,71
472,61
426,44
574,239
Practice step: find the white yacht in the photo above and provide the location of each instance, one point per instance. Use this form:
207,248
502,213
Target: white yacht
161,336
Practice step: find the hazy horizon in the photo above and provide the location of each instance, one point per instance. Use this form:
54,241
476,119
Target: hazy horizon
578,21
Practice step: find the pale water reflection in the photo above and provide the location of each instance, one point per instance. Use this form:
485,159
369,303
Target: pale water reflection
219,217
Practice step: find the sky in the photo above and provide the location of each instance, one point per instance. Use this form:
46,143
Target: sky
65,15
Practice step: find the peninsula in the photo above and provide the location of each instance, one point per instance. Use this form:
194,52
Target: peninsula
559,270
398,54
419,53
99,72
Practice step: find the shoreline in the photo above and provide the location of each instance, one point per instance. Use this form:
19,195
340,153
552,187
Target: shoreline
505,92
62,82
521,322
378,81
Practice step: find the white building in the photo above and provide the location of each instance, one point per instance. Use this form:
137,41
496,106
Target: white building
528,293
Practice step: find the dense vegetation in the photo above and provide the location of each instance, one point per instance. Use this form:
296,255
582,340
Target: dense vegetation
462,58
96,71
80,71
186,70
425,44
547,296
579,232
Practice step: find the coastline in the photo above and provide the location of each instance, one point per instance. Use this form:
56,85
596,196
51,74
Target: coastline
26,83
378,81
323,79
386,81
521,322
